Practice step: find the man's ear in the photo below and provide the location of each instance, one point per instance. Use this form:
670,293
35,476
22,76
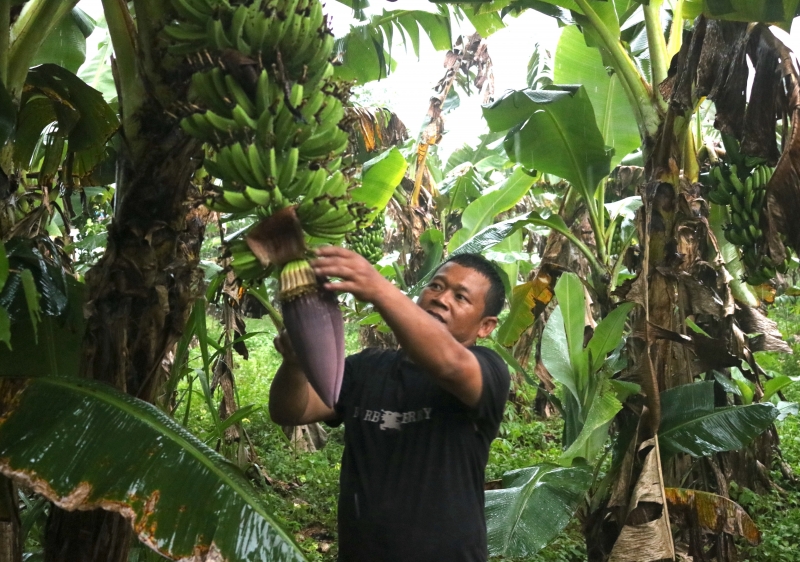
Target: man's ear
488,324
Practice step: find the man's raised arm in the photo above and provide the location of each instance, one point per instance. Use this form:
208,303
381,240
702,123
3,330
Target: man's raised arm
427,339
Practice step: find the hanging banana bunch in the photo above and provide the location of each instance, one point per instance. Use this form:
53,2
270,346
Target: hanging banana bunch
368,241
263,101
743,191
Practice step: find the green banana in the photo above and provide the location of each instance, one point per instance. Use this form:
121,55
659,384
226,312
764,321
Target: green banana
239,96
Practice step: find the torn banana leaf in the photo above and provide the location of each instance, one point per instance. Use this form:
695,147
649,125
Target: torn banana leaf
84,445
534,506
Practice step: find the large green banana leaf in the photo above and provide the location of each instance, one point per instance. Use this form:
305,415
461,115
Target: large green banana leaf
577,63
96,72
54,94
691,424
82,445
365,52
594,430
555,352
533,507
66,45
766,11
480,213
380,177
553,130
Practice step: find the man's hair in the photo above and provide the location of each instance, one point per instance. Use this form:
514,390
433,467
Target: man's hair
496,295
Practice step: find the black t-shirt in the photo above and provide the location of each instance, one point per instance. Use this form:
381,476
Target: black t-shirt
414,460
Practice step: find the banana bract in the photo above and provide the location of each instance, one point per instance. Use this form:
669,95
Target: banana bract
315,326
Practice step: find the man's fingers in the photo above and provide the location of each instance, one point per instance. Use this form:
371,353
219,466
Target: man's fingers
330,251
342,286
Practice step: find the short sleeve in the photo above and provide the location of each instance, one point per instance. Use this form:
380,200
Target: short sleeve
496,383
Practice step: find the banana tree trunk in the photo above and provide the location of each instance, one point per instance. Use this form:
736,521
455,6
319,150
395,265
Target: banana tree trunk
139,297
10,545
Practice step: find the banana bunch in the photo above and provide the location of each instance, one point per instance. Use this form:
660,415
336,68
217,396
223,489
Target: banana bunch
244,263
263,101
293,30
368,241
745,200
616,240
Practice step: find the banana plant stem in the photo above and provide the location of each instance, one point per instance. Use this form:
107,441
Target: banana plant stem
122,31
638,92
656,43
583,248
676,30
596,219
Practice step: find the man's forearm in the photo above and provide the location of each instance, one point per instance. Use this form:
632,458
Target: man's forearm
288,395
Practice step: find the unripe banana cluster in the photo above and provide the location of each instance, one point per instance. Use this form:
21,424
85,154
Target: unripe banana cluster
743,192
368,241
616,240
263,101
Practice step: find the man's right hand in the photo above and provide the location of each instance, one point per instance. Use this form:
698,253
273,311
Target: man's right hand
283,345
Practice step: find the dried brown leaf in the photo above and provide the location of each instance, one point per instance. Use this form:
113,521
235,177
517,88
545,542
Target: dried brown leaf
714,513
767,99
651,540
768,338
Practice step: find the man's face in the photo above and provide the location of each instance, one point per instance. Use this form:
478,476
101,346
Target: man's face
456,297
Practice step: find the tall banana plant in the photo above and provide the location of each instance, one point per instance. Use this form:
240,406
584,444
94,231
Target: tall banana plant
136,319
679,268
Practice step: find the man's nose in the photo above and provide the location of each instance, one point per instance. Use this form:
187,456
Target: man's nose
442,299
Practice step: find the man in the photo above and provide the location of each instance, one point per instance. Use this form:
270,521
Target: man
418,421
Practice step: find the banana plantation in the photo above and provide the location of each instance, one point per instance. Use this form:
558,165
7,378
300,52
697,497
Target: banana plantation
161,192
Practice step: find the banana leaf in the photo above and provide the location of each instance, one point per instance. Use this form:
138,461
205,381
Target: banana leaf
607,335
577,63
84,445
461,187
479,214
779,12
365,52
569,292
691,424
594,431
96,72
553,130
66,44
485,23
491,235
533,507
520,313
380,177
713,513
555,352
776,384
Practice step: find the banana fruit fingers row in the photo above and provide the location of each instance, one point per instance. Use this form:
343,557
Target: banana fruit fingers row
745,201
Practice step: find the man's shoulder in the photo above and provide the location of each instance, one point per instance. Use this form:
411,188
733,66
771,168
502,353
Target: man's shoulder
490,356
